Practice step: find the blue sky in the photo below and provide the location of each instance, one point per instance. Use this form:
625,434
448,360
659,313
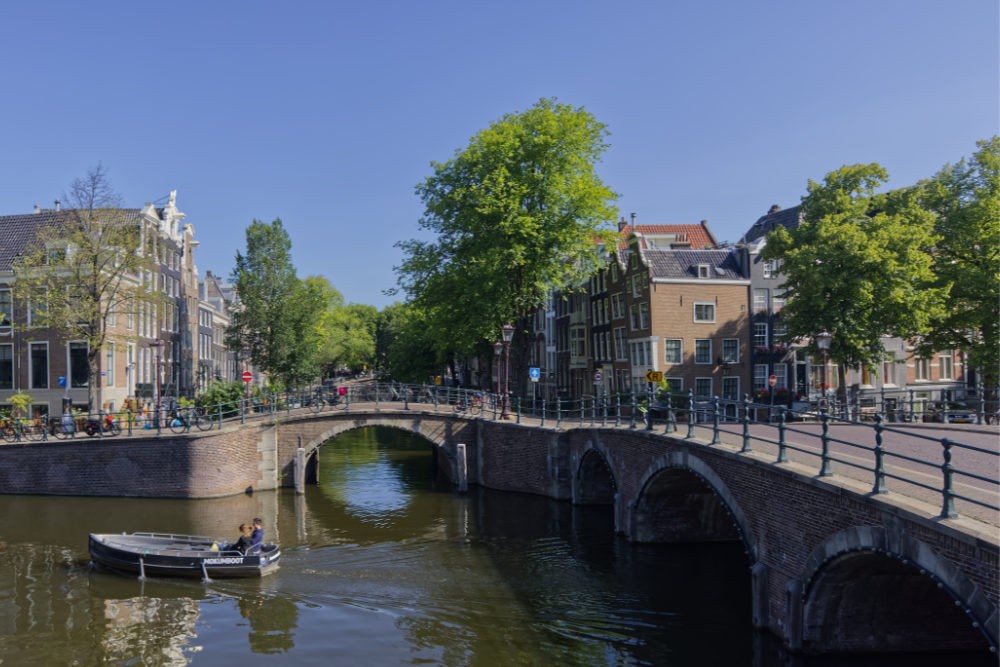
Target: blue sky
327,114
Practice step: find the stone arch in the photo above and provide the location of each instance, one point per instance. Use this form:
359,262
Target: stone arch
445,459
698,505
594,481
874,588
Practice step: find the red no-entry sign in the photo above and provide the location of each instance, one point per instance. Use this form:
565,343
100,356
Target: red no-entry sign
247,376
771,380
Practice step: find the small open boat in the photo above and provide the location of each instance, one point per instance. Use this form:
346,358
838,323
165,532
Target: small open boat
169,555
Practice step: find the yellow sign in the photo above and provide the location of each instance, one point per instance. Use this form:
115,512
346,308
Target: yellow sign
437,380
654,376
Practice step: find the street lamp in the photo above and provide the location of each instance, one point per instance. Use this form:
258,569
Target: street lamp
497,349
507,332
159,345
823,339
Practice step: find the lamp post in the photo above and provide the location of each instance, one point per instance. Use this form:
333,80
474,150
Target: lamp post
823,339
497,349
507,332
246,362
159,345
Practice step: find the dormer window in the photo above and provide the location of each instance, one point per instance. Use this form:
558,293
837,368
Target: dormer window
703,271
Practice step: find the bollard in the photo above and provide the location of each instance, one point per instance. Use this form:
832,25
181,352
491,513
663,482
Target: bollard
462,468
880,486
948,491
631,410
690,432
782,445
746,424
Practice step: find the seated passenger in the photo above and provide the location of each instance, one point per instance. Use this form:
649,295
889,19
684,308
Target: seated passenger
245,541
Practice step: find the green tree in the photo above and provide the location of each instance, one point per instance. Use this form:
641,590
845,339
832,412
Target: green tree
85,266
277,317
858,266
966,199
517,212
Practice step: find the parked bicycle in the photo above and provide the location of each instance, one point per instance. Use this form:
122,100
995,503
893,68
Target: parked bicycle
322,398
14,430
94,426
469,405
182,419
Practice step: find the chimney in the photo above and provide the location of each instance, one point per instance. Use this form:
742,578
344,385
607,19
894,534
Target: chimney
774,209
57,204
621,223
633,219
38,209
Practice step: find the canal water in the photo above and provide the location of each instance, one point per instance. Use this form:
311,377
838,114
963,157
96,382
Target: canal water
379,567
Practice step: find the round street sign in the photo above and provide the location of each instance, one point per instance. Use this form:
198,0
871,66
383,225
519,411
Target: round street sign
772,380
598,377
247,376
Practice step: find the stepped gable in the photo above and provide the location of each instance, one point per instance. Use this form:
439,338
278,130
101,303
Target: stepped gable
789,218
675,264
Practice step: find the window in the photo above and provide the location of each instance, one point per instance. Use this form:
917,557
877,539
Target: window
781,376
777,303
112,316
7,366
621,343
633,313
703,271
946,362
618,306
38,361
614,272
702,350
703,389
130,313
78,365
578,342
769,268
637,285
731,388
704,312
922,369
760,376
109,366
781,333
760,300
6,308
888,371
673,351
760,336
731,350
675,385
644,315
38,308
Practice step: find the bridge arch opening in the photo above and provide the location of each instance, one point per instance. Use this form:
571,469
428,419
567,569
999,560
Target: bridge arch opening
595,482
678,505
867,601
442,469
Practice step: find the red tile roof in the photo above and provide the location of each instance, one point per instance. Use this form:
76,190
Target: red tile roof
698,236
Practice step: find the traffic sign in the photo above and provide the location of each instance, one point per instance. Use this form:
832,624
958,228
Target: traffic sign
247,376
534,373
772,380
654,376
598,377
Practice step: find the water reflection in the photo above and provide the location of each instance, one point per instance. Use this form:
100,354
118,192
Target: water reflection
377,569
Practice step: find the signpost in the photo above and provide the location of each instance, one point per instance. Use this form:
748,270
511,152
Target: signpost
534,373
247,376
654,376
771,381
598,377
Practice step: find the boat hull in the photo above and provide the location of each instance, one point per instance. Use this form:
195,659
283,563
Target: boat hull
162,555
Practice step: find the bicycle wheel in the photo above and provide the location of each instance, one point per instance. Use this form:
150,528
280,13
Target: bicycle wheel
203,422
35,432
8,433
114,429
178,424
316,404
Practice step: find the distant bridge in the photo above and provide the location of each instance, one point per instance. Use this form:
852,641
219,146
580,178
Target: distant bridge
836,564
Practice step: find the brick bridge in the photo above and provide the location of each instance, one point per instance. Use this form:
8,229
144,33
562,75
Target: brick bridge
833,567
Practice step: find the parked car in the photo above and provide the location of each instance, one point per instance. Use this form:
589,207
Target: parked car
952,412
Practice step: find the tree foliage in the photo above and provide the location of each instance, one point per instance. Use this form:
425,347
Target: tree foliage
95,259
966,199
517,212
278,315
858,266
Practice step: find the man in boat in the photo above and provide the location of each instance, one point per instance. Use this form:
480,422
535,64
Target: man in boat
257,536
244,543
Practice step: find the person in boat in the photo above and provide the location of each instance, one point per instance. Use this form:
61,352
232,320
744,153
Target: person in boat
257,536
245,542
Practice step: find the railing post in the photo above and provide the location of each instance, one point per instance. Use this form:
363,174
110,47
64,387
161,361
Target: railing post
879,458
948,491
670,426
100,424
434,398
376,397
982,403
220,416
690,432
715,420
593,410
632,409
618,409
583,410
406,398
543,412
746,424
558,412
347,398
782,445
604,411
825,470
243,411
518,420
